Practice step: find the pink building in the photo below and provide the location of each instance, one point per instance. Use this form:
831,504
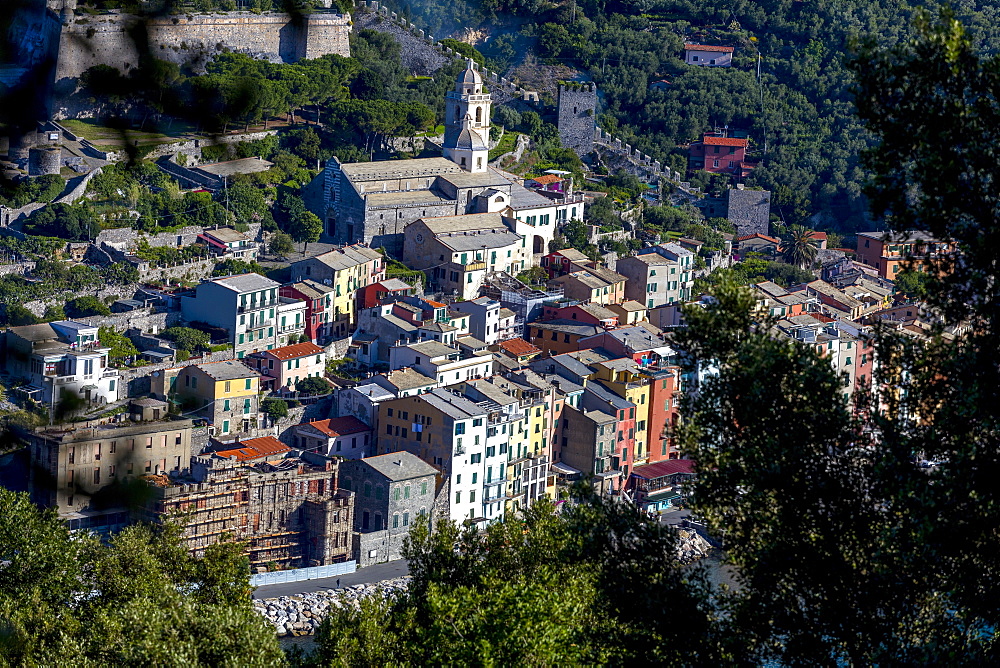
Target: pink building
282,368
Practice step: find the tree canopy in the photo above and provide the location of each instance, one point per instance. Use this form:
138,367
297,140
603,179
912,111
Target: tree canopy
139,599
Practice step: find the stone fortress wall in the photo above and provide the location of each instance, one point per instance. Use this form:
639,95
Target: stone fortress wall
577,108
192,39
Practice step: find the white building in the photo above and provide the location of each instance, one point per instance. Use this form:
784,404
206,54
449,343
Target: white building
458,252
436,360
61,357
449,432
484,318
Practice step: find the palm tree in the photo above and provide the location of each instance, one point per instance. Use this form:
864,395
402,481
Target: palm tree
797,247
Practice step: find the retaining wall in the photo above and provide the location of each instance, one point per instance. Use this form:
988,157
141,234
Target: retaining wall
193,39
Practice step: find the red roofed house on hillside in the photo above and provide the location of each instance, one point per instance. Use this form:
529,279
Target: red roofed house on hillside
546,182
282,368
719,155
346,437
819,239
707,55
252,449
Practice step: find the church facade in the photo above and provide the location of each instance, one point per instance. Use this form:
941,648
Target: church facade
374,202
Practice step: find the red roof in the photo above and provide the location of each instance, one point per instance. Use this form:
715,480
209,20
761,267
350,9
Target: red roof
518,347
340,426
818,236
255,448
435,304
664,468
724,141
546,179
707,47
758,235
295,350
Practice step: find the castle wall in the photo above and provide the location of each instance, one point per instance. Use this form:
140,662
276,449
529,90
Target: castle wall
112,39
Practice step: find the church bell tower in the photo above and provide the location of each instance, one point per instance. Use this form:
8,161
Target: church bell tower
467,121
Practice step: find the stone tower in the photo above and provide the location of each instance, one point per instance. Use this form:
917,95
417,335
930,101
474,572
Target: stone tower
578,116
467,121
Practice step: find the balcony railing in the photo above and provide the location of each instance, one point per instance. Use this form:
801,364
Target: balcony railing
246,308
478,265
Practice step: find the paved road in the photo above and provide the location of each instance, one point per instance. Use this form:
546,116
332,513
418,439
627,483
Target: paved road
376,573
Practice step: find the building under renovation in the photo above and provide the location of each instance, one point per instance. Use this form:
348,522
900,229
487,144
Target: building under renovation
283,503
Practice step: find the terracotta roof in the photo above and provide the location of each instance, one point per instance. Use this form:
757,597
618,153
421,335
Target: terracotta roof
660,469
758,235
546,179
518,347
255,448
339,426
295,350
708,47
723,141
435,304
819,236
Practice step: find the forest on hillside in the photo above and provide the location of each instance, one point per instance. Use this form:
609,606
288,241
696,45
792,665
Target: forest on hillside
799,114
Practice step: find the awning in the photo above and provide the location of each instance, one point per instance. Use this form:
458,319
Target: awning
559,467
663,495
29,389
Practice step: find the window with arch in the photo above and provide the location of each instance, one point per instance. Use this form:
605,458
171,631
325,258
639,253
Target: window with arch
423,488
378,522
406,519
395,521
458,113
479,114
368,489
406,492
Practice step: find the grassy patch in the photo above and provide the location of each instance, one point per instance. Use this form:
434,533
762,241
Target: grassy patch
505,145
100,134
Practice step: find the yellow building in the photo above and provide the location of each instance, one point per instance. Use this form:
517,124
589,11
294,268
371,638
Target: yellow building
624,378
346,270
226,393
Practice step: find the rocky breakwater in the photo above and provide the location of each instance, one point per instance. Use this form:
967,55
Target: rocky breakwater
301,614
691,546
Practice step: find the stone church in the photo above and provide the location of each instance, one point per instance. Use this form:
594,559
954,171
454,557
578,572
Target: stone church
372,202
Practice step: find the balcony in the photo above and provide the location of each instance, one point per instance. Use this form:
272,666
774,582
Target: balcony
256,306
479,265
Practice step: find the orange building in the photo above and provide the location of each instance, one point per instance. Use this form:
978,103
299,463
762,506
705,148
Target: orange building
888,252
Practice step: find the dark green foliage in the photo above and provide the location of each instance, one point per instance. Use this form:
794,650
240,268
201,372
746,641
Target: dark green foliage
80,307
313,385
465,50
121,347
41,189
798,248
274,408
17,315
67,221
187,338
138,599
54,312
912,283
534,276
595,584
753,269
281,245
232,266
120,273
